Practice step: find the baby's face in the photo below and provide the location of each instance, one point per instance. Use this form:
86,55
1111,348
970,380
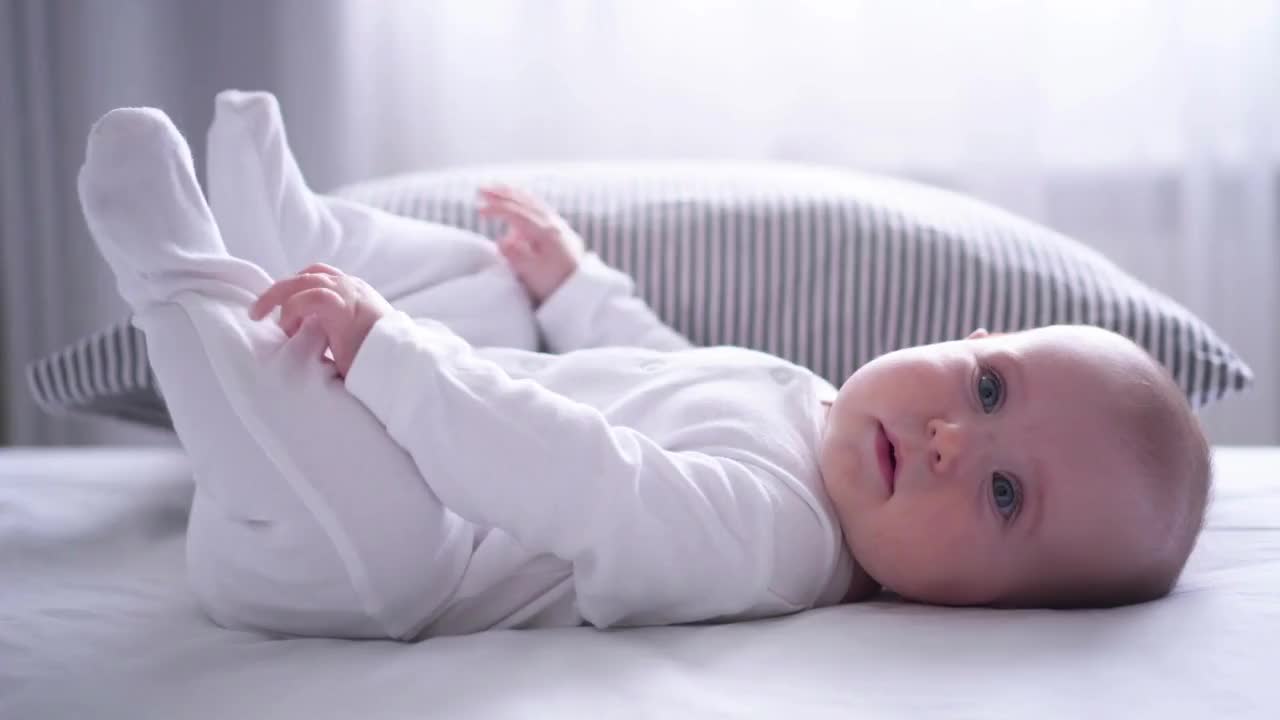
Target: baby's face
964,471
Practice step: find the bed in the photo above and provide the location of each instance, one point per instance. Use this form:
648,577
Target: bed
96,622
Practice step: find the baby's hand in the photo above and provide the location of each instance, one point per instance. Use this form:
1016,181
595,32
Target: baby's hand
539,245
346,307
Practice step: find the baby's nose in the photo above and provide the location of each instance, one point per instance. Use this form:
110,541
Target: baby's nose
946,446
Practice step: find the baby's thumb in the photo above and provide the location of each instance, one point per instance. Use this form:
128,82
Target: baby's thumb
309,342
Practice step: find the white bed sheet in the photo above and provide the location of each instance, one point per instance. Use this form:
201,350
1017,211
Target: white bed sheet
95,622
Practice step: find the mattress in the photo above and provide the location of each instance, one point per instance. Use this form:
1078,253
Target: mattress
96,622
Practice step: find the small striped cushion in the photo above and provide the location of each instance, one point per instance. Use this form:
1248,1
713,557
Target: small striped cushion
828,269
106,373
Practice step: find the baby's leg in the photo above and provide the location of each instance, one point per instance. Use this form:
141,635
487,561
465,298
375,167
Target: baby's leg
268,214
308,518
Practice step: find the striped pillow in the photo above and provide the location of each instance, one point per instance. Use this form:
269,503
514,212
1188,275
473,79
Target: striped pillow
106,373
828,269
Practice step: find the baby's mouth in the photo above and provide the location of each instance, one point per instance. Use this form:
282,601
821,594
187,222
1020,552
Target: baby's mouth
887,457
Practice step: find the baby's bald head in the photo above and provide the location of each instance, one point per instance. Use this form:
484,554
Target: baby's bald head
1165,452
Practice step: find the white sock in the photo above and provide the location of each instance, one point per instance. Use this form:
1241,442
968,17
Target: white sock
149,217
269,215
275,440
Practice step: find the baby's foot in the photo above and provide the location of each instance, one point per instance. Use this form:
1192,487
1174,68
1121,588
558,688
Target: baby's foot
269,215
263,206
147,215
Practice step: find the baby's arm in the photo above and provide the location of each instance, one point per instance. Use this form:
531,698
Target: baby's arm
654,536
580,301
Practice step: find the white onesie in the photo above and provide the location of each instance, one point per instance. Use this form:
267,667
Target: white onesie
624,485
440,488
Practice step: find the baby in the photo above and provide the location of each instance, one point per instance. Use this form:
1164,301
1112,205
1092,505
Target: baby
1052,467
409,483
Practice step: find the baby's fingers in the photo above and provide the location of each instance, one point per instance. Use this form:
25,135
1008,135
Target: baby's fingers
495,193
279,293
502,207
515,195
518,216
528,199
516,201
322,303
322,269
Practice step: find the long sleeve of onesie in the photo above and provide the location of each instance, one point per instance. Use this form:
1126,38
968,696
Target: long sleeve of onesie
654,536
597,307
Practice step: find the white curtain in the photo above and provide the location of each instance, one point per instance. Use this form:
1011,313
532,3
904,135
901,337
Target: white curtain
1150,130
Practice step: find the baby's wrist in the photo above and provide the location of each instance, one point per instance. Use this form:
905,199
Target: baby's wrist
554,281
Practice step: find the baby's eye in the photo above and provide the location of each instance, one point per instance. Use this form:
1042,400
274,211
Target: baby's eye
1005,494
990,390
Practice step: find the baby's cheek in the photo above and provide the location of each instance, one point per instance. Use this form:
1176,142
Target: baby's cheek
840,471
922,539
885,544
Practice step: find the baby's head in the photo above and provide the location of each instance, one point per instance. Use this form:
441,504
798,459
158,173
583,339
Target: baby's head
1055,467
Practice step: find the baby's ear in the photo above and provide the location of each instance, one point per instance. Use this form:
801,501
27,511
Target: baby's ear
978,334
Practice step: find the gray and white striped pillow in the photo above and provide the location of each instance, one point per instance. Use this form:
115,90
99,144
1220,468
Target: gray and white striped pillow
828,269
106,373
